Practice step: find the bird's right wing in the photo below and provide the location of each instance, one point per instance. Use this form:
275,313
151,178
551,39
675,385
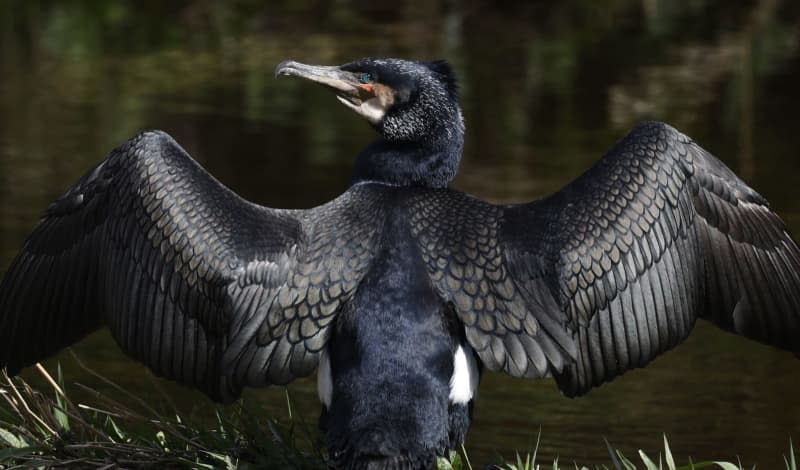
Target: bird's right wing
197,283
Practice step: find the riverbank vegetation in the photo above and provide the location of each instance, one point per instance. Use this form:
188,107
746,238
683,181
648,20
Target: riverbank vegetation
42,428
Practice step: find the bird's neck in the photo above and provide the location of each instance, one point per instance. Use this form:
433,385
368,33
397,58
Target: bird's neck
425,163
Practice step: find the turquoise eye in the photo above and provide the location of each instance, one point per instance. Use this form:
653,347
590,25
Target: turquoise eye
365,78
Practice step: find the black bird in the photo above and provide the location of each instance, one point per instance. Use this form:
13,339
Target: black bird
401,289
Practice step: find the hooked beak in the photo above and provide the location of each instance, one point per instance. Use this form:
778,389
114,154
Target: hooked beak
355,95
345,84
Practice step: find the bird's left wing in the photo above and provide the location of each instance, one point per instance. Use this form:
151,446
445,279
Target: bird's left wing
615,268
197,283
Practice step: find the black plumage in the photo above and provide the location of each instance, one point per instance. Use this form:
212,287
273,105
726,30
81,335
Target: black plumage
400,286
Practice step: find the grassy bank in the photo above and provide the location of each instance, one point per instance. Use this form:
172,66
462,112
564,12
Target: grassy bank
45,428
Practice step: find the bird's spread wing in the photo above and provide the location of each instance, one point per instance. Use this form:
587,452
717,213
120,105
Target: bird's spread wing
615,268
655,235
197,283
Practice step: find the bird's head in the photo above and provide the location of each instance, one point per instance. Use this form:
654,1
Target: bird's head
413,105
405,100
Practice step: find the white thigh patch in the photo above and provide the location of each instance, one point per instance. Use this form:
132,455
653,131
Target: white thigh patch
464,382
324,379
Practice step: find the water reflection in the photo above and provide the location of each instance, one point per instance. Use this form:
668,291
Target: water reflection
545,89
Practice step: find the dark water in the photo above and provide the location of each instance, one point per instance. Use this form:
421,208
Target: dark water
545,88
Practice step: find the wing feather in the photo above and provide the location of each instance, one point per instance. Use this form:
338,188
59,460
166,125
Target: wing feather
197,283
657,234
614,269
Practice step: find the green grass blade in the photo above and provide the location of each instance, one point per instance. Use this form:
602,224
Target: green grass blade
625,461
668,455
698,465
121,435
58,411
536,449
455,459
727,466
649,464
466,457
444,464
12,440
613,454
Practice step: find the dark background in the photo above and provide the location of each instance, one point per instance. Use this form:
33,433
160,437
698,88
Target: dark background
547,87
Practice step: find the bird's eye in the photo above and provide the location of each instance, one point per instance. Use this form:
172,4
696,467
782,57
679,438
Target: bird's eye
365,78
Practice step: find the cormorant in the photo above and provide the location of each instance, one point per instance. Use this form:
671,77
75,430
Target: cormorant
401,289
